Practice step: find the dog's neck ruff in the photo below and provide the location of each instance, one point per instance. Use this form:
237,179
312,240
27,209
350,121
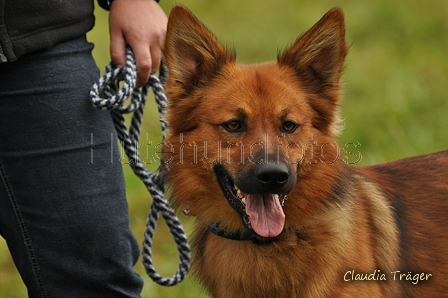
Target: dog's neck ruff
246,235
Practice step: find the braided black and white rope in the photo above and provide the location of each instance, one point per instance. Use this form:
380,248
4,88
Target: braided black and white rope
106,94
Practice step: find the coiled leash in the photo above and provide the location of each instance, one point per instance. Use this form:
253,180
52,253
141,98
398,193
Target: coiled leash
107,95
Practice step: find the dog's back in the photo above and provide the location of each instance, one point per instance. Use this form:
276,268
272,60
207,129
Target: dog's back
417,190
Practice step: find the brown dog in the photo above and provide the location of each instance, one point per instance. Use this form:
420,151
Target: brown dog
250,153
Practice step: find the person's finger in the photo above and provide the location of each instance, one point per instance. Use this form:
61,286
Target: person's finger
117,48
144,62
156,58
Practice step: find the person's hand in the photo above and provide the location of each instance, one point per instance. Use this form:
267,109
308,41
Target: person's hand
141,24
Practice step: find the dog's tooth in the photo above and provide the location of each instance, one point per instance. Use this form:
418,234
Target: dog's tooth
285,197
238,193
243,200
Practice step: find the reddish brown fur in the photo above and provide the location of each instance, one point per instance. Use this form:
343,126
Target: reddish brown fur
338,217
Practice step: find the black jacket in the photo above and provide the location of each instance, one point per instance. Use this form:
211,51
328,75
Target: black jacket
30,25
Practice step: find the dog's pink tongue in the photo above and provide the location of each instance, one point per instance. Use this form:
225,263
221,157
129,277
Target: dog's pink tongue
266,214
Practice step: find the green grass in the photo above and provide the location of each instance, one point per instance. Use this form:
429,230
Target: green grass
395,103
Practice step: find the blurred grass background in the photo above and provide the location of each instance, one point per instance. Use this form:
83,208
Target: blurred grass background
395,101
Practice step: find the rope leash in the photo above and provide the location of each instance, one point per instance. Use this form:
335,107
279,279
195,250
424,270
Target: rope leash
107,95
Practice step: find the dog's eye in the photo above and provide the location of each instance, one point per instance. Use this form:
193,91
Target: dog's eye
289,127
234,126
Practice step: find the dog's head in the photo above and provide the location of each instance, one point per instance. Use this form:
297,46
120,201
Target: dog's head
244,137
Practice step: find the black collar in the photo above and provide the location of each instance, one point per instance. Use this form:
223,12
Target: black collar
246,235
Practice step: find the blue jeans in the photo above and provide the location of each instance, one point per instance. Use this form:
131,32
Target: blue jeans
63,210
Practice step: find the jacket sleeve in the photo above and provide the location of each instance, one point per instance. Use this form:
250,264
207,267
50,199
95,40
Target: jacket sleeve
106,3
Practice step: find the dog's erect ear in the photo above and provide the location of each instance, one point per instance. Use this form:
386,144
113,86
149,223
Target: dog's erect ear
192,54
318,55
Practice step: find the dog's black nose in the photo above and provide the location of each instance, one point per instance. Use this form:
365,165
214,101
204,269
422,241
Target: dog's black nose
272,177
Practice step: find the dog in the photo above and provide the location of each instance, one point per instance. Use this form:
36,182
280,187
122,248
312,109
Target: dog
250,154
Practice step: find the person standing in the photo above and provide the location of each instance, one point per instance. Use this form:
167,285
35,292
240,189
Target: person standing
63,210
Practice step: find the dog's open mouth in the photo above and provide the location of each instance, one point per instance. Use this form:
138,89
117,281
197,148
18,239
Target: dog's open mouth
262,213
